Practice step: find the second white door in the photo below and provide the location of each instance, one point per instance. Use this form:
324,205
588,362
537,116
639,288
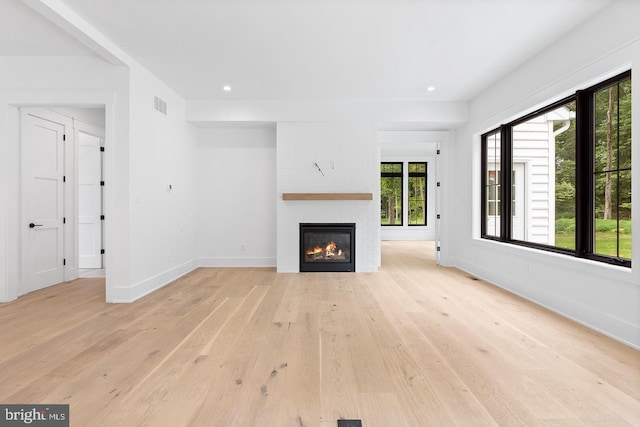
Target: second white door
89,199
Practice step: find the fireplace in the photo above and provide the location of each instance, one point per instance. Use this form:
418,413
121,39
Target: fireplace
327,247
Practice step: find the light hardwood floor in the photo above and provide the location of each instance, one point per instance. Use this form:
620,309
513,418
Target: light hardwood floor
412,345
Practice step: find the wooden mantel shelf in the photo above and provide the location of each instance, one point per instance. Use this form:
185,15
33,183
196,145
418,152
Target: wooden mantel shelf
327,196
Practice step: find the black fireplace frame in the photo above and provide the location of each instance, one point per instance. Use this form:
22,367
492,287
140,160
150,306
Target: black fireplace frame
320,266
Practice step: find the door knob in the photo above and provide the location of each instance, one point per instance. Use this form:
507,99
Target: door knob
32,225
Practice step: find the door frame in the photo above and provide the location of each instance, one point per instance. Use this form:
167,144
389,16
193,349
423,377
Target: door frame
10,241
406,231
72,128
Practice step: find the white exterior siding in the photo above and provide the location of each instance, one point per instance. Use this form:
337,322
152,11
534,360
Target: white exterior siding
534,147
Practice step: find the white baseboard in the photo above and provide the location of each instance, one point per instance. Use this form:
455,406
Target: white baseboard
145,287
407,233
236,262
604,323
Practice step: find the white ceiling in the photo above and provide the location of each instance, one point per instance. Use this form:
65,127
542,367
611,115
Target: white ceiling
25,33
313,49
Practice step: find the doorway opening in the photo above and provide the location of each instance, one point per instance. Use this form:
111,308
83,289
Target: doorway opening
410,189
61,192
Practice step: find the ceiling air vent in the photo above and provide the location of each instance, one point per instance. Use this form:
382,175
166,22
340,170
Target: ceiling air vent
160,105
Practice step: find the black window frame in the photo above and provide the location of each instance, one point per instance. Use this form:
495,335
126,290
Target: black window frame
417,175
484,185
395,175
584,181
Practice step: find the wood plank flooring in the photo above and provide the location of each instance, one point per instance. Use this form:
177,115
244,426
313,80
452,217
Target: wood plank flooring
412,345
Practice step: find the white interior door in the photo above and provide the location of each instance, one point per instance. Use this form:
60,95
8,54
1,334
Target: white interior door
89,200
42,202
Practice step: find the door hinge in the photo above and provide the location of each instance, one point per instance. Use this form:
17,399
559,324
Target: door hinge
64,220
102,149
102,217
64,178
438,249
102,183
64,261
438,151
438,184
64,137
101,251
438,216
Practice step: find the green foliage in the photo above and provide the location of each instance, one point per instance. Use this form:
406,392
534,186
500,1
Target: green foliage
609,234
568,225
607,244
417,194
565,225
613,151
611,225
391,200
565,200
566,168
567,241
417,167
395,168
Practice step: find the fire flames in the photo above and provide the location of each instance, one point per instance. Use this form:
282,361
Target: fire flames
328,251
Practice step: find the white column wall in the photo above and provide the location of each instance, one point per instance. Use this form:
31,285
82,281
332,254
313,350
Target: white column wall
349,156
163,152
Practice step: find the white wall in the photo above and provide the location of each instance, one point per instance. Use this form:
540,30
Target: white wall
237,196
349,156
163,152
605,298
94,116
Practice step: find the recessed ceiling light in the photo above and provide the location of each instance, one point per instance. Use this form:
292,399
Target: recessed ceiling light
226,88
431,88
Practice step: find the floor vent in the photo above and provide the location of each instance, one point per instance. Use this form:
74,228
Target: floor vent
349,423
160,105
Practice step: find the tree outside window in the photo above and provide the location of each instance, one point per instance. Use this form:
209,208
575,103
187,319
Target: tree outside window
417,193
391,193
612,170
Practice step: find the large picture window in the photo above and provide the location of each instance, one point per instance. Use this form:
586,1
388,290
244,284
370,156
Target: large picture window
567,170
